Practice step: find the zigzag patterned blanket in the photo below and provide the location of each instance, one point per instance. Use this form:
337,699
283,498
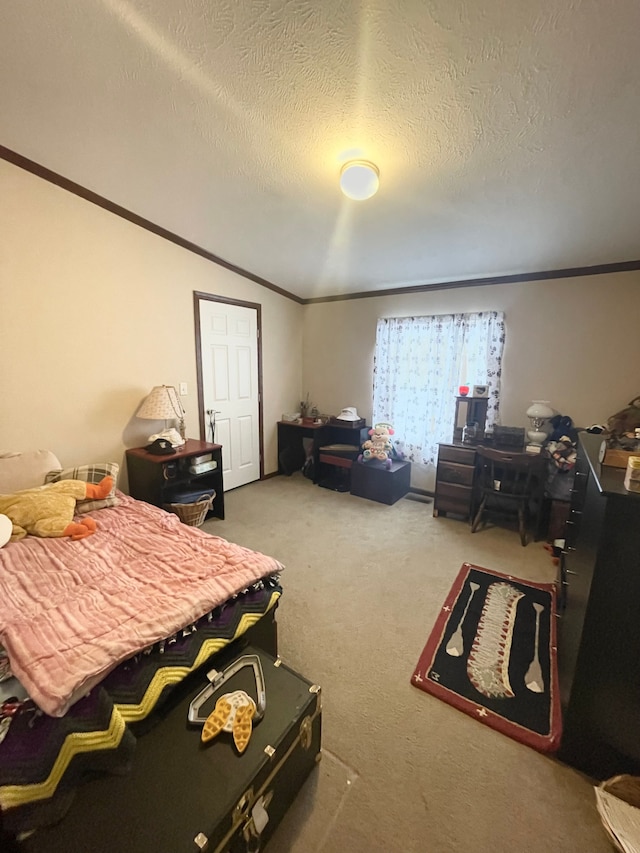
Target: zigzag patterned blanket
43,758
72,611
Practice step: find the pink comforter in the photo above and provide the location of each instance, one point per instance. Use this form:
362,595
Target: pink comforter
71,611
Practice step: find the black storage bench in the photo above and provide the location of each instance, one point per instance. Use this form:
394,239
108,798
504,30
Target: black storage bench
375,481
182,796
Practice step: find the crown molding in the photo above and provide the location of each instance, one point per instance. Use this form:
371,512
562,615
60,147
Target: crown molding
90,196
519,278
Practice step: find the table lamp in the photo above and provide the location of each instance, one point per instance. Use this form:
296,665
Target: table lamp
538,413
163,404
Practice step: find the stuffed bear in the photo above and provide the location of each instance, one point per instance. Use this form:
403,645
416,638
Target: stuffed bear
48,510
379,445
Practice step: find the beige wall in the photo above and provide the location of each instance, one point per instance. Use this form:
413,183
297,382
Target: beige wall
574,342
95,311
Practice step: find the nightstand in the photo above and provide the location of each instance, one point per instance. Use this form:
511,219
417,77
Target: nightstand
158,479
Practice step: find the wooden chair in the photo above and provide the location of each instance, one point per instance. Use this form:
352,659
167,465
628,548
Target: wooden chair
509,484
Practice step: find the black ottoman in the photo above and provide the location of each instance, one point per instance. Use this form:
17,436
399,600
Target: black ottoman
373,480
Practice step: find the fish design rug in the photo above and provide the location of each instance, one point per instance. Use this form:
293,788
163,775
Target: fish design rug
492,654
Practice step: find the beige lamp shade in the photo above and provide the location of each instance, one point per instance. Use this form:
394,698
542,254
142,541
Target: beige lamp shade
162,404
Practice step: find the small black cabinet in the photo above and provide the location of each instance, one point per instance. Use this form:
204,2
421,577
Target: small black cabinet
158,479
380,482
470,410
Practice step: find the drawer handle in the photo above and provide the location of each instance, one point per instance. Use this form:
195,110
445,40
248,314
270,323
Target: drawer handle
569,572
568,549
581,473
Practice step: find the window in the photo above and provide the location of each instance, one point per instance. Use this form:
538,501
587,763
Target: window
419,364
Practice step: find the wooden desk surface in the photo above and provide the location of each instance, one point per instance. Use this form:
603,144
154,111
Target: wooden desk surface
508,448
191,447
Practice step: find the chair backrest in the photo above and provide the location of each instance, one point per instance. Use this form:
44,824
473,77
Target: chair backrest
510,474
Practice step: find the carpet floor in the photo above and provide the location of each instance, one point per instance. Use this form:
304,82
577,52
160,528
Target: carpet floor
402,772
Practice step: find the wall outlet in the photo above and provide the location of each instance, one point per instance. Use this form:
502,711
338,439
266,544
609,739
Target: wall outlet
183,389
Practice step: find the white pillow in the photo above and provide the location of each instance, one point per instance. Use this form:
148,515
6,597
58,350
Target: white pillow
25,470
6,529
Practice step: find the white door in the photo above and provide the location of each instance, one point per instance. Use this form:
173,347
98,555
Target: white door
229,354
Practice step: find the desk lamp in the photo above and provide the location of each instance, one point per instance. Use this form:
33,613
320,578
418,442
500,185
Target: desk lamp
163,403
538,413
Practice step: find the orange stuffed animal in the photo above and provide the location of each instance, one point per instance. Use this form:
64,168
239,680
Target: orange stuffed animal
48,510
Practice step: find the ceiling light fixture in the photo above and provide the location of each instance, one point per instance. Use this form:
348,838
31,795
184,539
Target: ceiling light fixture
359,179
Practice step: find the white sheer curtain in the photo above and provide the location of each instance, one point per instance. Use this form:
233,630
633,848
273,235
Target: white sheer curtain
419,364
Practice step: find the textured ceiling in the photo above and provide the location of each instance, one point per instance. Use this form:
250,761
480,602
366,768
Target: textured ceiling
506,132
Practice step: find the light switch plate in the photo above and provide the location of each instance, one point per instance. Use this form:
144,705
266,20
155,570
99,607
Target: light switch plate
183,389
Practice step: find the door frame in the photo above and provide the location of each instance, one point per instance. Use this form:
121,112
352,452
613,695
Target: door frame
198,297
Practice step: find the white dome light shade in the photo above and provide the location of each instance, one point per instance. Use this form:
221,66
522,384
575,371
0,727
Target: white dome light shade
539,412
359,179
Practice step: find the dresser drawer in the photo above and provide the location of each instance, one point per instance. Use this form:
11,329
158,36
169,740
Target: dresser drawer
571,529
454,472
452,492
463,455
444,505
579,490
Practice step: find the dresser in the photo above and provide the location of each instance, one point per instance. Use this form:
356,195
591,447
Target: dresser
454,480
599,621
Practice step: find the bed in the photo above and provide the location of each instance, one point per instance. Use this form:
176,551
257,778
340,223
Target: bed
96,635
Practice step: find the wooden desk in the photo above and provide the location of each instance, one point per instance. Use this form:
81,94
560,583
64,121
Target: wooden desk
455,478
291,454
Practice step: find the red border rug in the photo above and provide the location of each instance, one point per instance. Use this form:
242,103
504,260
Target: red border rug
492,654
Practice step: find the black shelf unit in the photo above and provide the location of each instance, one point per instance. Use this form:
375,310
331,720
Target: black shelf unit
157,479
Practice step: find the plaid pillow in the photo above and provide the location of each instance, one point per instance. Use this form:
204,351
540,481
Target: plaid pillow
5,666
89,474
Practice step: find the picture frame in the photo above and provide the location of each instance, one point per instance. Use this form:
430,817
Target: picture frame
480,391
